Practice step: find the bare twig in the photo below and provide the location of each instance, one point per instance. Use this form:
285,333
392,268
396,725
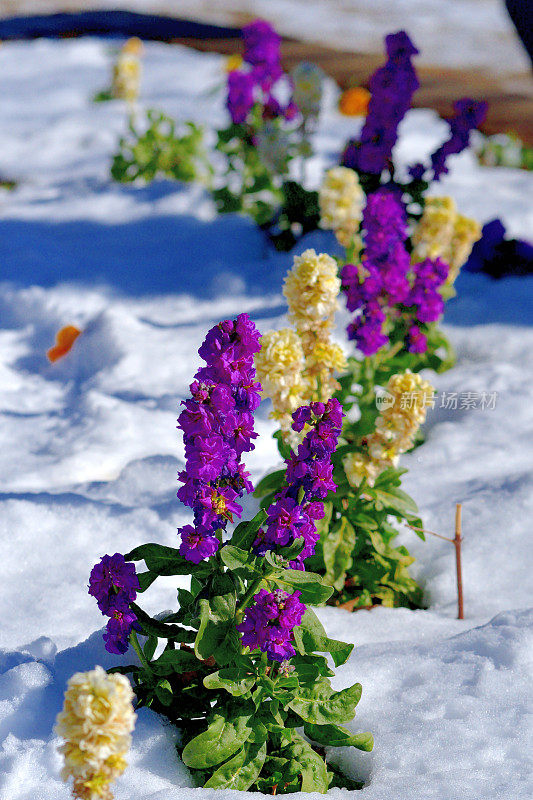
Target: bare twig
457,543
431,533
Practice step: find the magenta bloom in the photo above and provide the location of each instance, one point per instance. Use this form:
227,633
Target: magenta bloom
424,298
197,545
469,114
240,95
114,584
418,342
293,513
392,87
218,427
382,279
261,43
268,624
113,581
118,631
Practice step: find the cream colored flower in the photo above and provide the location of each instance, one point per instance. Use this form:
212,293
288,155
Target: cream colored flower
466,232
311,288
127,71
444,233
279,365
96,723
409,396
432,236
298,366
359,467
341,201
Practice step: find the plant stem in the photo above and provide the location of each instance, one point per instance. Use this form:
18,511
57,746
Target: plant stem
248,596
138,649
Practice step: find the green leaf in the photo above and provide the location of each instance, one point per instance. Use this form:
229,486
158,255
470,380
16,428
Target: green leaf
163,691
160,559
291,551
337,547
146,579
284,450
221,740
233,679
270,483
245,533
241,771
395,500
313,590
235,558
217,635
312,766
337,736
311,636
153,627
150,647
175,661
318,704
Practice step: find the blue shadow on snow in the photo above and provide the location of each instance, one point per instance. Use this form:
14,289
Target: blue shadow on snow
165,253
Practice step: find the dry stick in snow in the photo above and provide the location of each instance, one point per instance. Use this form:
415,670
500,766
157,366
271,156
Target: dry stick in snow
456,541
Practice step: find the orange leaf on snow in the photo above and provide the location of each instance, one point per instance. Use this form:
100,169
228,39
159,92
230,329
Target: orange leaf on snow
354,102
65,338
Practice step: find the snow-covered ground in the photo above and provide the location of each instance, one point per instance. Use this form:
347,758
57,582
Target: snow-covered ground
89,448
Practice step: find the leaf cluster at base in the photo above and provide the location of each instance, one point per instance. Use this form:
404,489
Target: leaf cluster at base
247,723
158,150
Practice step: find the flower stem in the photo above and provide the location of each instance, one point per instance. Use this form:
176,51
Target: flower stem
248,596
138,649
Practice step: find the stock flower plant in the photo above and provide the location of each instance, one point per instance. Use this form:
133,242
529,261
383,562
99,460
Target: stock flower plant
272,116
242,667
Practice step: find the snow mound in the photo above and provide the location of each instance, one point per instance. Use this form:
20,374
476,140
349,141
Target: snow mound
450,718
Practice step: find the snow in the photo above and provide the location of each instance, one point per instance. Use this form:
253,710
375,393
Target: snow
90,452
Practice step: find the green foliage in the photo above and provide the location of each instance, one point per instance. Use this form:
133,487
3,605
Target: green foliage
254,179
239,712
298,214
158,150
356,554
248,185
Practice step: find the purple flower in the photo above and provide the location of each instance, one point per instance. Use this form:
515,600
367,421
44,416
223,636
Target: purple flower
218,427
269,623
114,584
381,280
417,341
392,87
469,114
367,332
261,43
293,513
113,581
301,417
399,46
424,297
118,630
197,545
240,96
